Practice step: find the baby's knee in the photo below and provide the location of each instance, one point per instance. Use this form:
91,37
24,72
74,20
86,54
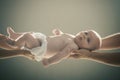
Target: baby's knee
27,35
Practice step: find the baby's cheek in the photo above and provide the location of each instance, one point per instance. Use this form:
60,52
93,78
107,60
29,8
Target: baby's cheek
85,45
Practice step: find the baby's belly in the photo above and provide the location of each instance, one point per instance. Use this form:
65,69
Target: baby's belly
52,51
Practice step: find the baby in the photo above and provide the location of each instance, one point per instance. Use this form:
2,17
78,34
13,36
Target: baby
53,49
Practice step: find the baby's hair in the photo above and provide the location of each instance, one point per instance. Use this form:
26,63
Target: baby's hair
100,40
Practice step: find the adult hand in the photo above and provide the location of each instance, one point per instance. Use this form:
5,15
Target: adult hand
6,43
82,53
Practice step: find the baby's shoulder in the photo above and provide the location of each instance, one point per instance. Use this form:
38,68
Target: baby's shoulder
66,38
68,35
69,40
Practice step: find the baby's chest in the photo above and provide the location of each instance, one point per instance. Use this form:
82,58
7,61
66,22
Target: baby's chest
57,44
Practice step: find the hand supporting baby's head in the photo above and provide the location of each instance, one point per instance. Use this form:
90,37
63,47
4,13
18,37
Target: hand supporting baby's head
89,40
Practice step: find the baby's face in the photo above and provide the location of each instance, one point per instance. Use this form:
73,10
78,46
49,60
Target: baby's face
90,40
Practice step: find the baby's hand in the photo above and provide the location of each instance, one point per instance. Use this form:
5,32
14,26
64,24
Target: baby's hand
45,62
57,31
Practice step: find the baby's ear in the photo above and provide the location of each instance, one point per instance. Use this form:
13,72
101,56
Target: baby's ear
57,32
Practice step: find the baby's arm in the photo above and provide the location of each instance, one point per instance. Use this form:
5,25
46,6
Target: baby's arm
58,57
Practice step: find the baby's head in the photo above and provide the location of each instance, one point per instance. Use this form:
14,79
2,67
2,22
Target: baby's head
90,40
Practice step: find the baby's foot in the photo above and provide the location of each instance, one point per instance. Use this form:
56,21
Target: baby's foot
12,34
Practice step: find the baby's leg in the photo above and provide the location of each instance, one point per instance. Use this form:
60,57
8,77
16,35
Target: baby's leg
12,34
27,40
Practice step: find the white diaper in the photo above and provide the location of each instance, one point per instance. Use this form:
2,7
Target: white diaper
40,50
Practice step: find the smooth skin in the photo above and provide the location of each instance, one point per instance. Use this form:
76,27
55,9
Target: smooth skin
65,41
108,43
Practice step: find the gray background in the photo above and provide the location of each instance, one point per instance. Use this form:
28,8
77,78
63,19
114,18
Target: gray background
70,16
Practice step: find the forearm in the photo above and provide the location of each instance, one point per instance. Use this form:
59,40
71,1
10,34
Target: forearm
57,58
52,60
111,42
11,53
107,58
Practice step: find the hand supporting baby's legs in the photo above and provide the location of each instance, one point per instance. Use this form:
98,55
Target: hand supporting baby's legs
7,43
15,53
